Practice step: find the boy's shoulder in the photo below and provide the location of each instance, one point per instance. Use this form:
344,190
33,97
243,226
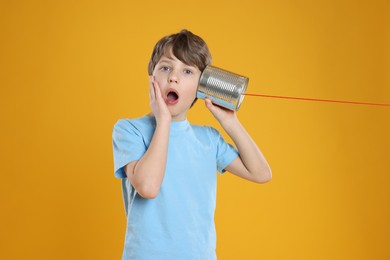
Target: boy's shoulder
207,130
140,123
202,127
138,120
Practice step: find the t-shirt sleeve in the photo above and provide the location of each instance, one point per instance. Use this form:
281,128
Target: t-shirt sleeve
128,146
226,153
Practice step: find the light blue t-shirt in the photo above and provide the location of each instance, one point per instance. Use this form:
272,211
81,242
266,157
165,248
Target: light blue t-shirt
179,222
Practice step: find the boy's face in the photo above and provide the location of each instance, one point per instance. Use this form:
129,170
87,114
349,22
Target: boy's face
178,83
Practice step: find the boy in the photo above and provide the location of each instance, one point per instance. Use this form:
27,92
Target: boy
168,166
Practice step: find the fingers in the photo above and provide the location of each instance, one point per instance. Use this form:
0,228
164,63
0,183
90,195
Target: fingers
213,109
152,94
220,113
209,104
157,102
157,90
154,90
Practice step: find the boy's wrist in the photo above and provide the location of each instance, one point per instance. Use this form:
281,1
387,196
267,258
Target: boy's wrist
163,123
230,123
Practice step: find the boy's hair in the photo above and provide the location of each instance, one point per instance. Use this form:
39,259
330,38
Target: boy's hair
186,46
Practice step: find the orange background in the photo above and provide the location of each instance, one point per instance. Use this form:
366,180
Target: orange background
70,69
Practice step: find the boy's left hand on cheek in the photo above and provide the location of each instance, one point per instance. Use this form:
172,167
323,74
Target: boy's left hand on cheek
220,113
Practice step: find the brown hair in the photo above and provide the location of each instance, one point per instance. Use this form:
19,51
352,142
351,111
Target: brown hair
186,46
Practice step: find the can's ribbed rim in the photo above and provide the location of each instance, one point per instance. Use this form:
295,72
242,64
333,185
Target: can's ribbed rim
241,99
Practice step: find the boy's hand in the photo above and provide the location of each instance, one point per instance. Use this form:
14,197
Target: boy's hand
157,102
223,115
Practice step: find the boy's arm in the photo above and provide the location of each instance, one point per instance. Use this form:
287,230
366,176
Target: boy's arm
147,174
251,163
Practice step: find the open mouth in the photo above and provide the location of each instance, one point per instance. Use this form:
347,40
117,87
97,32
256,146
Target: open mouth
172,96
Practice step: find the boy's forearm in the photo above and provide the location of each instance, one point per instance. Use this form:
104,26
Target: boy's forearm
149,171
250,154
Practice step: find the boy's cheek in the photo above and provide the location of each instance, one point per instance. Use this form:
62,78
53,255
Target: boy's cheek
157,76
160,83
157,79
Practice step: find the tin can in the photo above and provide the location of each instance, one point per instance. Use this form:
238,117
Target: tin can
224,88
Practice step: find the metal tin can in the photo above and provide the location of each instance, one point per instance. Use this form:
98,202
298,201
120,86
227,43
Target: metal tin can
224,88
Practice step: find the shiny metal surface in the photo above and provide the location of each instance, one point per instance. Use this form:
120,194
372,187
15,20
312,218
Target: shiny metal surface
223,87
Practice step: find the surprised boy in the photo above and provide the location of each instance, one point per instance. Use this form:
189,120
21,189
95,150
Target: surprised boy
168,166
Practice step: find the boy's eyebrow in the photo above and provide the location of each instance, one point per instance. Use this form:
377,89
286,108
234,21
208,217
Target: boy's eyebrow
166,60
170,60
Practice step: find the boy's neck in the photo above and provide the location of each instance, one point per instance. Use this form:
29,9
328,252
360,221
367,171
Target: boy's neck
151,115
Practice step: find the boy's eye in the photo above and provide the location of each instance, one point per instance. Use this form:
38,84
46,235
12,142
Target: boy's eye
164,68
187,71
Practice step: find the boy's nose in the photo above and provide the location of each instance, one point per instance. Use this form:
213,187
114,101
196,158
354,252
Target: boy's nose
173,78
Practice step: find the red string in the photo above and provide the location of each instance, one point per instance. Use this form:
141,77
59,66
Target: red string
320,100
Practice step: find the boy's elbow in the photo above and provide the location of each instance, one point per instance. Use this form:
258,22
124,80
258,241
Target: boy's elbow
148,192
264,176
148,195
